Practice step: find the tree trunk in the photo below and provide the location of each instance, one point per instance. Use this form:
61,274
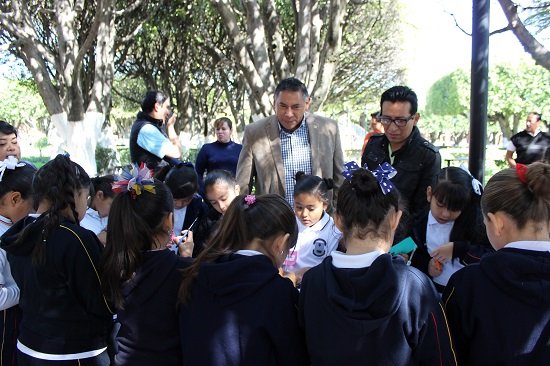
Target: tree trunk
53,48
244,58
329,54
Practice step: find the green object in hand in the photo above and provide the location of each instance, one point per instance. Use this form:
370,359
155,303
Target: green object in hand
406,245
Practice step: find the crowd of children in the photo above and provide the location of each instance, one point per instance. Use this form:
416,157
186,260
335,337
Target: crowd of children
475,291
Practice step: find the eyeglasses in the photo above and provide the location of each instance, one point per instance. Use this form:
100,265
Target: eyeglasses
399,122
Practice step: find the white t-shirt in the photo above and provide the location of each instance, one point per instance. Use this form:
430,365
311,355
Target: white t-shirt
437,235
314,244
93,222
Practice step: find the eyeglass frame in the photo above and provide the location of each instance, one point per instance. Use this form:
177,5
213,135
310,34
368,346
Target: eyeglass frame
402,121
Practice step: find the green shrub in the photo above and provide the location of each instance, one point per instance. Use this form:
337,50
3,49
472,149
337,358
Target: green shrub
37,161
105,159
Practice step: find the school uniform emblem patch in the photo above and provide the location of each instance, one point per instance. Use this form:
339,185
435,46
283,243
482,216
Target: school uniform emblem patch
319,247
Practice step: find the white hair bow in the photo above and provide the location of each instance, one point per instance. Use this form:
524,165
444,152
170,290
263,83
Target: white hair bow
476,184
10,162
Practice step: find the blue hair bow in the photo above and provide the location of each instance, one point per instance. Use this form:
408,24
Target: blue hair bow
383,174
350,168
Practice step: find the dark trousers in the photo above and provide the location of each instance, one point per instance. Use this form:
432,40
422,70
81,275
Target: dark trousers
9,323
99,360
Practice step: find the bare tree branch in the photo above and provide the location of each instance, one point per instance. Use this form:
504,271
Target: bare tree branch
90,38
134,6
458,25
501,30
540,54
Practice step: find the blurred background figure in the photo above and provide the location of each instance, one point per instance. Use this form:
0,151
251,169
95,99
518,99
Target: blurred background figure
9,146
375,127
220,154
529,144
97,214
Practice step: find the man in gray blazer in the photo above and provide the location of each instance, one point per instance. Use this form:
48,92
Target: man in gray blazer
277,147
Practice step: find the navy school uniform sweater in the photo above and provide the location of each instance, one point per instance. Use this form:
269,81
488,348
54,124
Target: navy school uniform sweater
195,209
241,313
499,310
63,308
469,238
204,229
385,314
149,332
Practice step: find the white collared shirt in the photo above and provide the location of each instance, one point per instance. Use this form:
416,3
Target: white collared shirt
342,260
437,235
314,244
179,218
539,246
92,221
5,224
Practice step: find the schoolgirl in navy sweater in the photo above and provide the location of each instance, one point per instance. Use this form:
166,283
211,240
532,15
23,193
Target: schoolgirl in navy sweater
54,261
15,204
365,306
499,309
236,309
189,206
140,275
452,234
220,189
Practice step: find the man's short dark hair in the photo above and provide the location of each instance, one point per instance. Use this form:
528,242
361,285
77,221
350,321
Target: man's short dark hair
291,84
536,114
152,97
400,94
6,128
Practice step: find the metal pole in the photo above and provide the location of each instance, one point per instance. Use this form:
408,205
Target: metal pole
479,87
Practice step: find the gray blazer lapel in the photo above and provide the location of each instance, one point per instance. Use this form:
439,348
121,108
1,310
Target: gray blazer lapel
314,137
272,130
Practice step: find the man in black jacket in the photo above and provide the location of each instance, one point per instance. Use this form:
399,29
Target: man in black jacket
149,144
529,144
416,160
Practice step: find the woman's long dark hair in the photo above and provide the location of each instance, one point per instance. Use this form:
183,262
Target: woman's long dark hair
134,221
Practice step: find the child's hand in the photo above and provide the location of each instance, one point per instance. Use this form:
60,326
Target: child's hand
300,273
405,256
102,236
435,267
444,253
290,275
185,249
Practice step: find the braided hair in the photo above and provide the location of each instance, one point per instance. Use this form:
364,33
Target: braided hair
56,184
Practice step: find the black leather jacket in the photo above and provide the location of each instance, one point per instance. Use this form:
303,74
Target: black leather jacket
417,163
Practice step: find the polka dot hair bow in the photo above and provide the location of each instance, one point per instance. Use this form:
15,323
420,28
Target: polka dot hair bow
383,174
349,169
